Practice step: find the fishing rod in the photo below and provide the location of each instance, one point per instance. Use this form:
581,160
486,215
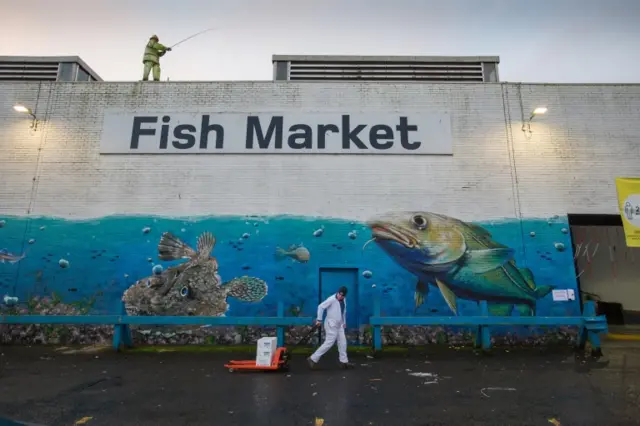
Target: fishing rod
190,37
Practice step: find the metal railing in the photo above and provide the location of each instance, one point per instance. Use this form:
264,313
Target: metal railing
590,325
121,323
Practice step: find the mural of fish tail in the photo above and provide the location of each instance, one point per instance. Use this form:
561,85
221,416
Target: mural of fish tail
246,289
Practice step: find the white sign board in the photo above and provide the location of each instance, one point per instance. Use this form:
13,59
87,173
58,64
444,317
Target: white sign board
276,133
560,295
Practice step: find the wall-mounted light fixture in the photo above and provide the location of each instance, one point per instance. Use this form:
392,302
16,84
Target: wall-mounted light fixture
536,112
24,110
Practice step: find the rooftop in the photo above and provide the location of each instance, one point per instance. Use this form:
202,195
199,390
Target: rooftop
42,68
449,69
390,59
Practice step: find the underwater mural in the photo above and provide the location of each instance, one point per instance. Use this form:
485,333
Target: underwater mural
460,259
191,288
420,263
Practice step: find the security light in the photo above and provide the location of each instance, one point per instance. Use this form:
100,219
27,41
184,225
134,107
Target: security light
23,109
526,125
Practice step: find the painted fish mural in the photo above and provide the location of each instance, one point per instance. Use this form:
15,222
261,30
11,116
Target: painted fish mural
460,259
190,288
7,256
297,252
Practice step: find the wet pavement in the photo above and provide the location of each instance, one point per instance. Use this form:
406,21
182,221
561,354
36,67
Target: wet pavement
438,387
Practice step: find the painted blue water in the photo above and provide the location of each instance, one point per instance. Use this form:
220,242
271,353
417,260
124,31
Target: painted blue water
108,255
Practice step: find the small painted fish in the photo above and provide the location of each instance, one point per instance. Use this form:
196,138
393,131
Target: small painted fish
6,256
191,288
295,252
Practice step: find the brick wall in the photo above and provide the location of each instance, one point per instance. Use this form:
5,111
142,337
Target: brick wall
564,162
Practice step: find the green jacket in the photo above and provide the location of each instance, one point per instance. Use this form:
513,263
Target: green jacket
153,51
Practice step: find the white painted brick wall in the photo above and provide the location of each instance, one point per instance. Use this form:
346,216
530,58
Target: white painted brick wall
566,164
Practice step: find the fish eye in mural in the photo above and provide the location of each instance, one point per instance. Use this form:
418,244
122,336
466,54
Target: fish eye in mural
460,259
193,287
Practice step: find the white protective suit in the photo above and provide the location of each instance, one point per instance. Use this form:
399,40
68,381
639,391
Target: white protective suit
333,328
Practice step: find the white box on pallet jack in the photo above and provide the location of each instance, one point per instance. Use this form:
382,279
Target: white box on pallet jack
266,349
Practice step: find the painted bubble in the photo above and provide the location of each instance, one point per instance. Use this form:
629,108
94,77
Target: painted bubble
150,260
2,223
532,234
10,301
146,230
64,263
367,274
183,230
564,230
32,241
353,235
157,270
559,246
318,232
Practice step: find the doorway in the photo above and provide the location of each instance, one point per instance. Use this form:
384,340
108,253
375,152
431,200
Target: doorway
331,279
606,269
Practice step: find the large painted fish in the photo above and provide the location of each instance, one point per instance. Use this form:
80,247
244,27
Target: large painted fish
191,288
459,258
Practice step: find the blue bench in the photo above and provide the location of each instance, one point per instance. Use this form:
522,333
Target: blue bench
589,324
121,323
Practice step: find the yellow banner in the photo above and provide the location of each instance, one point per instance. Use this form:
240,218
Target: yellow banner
629,205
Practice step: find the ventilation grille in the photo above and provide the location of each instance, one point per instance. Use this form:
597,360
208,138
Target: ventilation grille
15,71
387,71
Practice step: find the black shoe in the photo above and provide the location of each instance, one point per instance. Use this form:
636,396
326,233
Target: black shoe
346,365
312,365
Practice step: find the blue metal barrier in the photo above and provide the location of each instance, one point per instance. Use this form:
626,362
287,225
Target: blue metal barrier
121,323
590,325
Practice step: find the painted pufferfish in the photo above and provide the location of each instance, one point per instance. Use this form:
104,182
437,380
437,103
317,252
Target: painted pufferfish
191,288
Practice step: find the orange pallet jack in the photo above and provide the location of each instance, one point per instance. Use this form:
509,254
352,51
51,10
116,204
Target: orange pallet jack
280,360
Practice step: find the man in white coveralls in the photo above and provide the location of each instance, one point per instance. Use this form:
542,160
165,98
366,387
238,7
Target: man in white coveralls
336,322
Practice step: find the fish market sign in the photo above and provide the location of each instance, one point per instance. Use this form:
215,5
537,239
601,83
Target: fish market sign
276,133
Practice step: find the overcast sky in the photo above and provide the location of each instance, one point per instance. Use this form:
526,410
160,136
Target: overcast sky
537,40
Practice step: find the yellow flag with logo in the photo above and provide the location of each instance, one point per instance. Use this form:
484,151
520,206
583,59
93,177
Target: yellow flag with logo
629,205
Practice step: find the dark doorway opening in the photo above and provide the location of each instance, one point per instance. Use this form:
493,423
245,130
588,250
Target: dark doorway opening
607,271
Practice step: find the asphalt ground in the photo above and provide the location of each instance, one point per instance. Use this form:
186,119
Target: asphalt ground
437,386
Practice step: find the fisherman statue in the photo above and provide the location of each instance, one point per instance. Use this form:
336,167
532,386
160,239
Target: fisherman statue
151,60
